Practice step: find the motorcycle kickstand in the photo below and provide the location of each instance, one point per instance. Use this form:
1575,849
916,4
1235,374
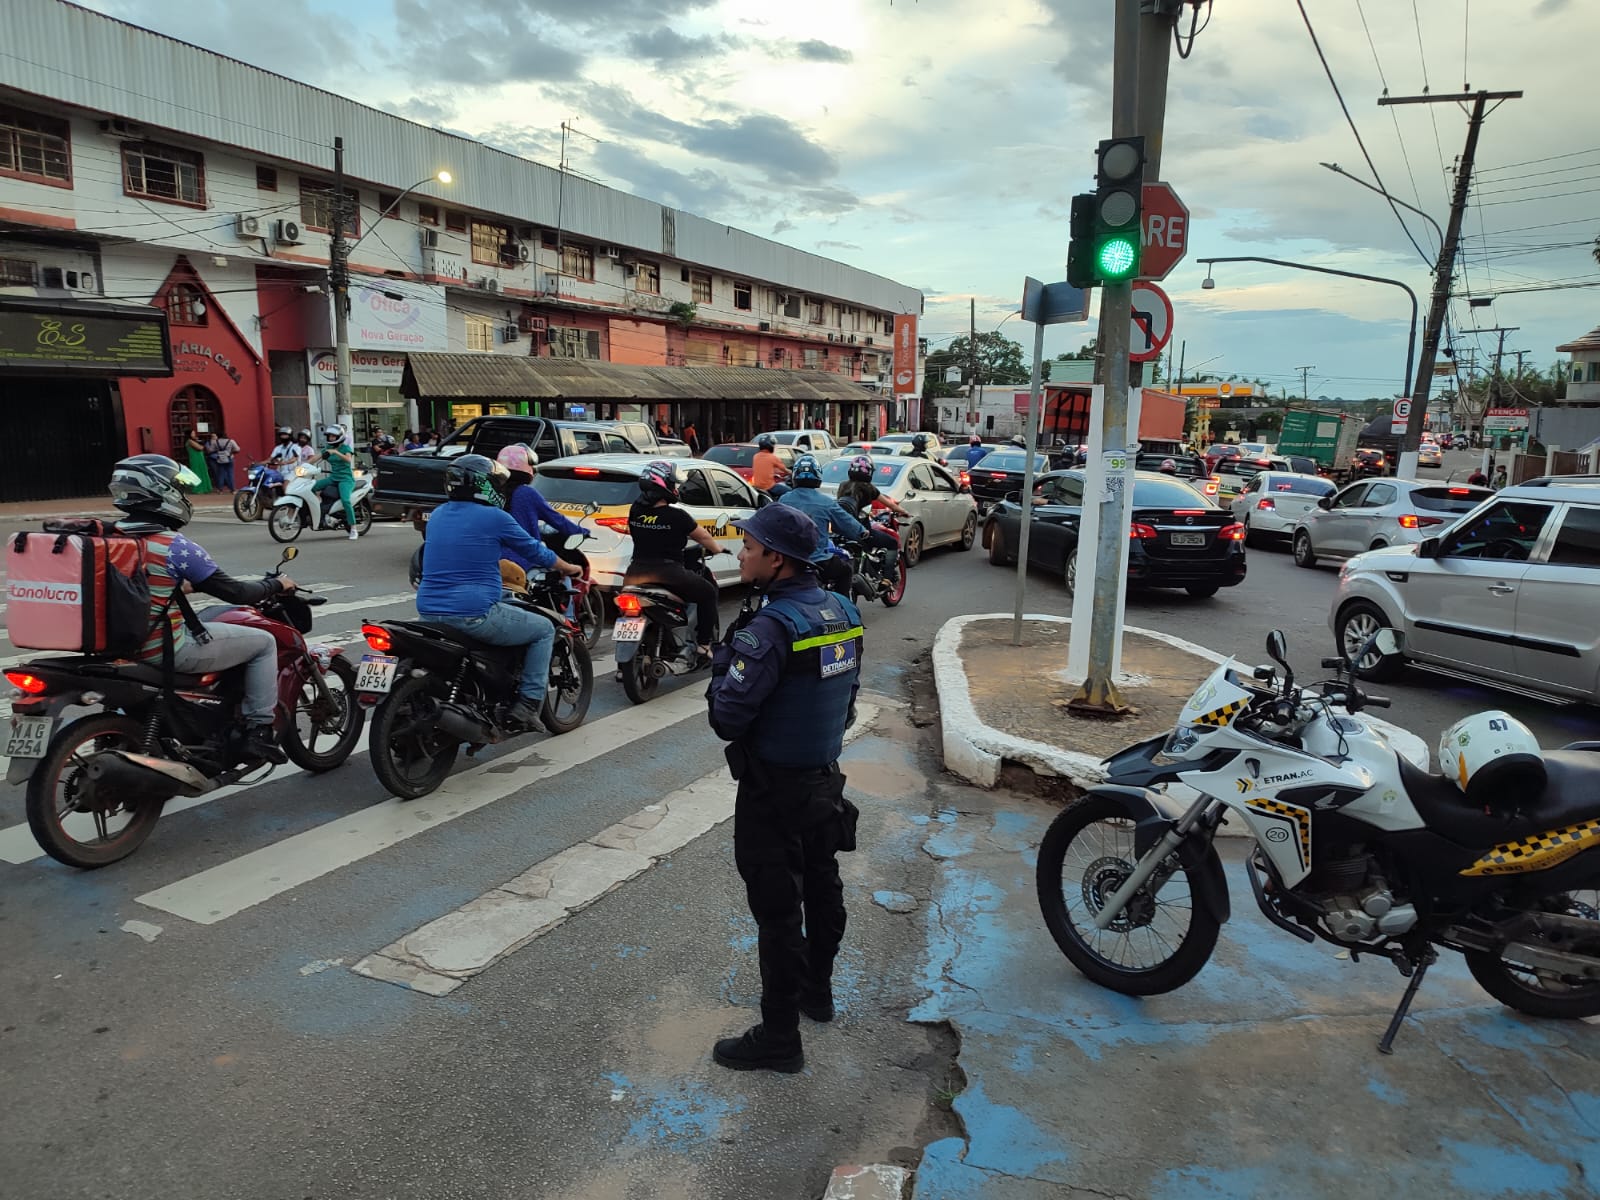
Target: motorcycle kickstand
1429,957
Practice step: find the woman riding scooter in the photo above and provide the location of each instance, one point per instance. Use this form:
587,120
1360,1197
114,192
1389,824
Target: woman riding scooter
340,456
661,531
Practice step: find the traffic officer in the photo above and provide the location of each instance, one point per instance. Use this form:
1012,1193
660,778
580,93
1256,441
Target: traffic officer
783,689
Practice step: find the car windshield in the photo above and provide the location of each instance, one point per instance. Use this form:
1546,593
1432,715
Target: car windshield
732,456
1245,467
883,473
1012,460
1161,493
1450,500
579,485
1224,449
1307,486
1369,455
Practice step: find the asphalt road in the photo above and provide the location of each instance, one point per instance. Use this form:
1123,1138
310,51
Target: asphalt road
233,1052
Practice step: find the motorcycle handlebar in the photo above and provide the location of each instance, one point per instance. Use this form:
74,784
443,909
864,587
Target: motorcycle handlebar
1332,664
1377,701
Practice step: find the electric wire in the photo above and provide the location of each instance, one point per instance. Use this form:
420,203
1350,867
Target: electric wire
1405,156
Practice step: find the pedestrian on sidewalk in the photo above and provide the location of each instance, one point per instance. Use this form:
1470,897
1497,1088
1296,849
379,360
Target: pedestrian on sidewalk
196,449
219,457
783,690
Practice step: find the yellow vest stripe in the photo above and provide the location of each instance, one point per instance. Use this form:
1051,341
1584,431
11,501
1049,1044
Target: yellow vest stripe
829,639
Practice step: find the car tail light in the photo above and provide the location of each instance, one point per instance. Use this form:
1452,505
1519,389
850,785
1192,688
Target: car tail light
1461,491
587,472
378,638
615,524
1413,521
1141,531
966,479
1263,462
1231,533
1188,512
1267,502
628,604
21,680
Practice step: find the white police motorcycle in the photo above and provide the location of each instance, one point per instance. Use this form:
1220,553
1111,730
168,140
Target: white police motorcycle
306,505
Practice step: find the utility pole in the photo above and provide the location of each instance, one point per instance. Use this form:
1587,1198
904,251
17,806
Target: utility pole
1499,353
1305,381
1444,270
339,277
1138,107
974,398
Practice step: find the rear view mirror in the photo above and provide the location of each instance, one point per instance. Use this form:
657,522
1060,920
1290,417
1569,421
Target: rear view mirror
1324,501
1428,548
965,489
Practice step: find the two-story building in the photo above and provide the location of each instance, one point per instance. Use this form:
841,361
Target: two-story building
1583,371
137,170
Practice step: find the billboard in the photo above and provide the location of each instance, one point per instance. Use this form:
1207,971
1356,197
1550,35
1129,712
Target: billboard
905,354
396,315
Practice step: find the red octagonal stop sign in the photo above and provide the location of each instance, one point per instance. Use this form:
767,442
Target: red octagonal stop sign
1164,231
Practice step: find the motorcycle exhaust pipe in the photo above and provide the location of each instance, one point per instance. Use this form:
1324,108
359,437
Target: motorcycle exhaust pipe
465,726
145,775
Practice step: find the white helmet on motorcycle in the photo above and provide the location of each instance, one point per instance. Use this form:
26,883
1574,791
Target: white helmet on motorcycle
332,434
1494,758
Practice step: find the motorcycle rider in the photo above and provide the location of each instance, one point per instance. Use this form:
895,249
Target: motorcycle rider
661,531
766,468
340,456
860,490
919,446
152,490
783,689
1169,466
303,446
829,518
468,535
975,452
528,509
285,455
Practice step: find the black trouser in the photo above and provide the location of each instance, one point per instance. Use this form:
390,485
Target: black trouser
834,572
787,830
678,579
886,541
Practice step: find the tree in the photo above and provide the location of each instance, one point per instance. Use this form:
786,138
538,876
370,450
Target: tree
999,359
1084,353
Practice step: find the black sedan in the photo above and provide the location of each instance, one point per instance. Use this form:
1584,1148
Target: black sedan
1001,473
1177,537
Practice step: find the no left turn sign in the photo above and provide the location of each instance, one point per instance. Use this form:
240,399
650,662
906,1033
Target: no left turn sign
1150,322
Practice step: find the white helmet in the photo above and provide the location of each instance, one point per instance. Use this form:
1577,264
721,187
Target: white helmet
332,434
1494,758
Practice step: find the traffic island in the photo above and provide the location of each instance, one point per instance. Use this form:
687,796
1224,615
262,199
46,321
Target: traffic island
1003,705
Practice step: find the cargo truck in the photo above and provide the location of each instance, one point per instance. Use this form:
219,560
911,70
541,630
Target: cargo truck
1328,437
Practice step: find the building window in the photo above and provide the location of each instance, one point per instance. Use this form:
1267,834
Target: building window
480,333
1577,373
574,343
700,286
491,245
35,147
455,222
810,358
164,173
814,311
317,204
389,205
741,296
185,305
428,214
647,278
18,272
791,305
577,260
888,326
266,178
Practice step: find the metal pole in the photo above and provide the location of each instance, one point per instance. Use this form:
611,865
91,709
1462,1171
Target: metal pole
1027,479
339,272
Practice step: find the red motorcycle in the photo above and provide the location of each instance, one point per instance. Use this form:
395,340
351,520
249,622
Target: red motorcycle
96,786
873,574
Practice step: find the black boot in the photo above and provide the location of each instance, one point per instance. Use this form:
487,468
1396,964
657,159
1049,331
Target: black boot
526,714
261,745
757,1050
817,1003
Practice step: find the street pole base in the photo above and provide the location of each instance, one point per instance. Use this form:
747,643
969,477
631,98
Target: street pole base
1098,698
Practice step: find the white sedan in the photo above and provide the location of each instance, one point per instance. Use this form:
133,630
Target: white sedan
1429,455
1272,503
940,510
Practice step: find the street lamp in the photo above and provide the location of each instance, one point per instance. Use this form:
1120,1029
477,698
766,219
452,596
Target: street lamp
1411,344
437,177
1338,170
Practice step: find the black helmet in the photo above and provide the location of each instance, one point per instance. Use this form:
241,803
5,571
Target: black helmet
919,442
658,481
475,477
766,442
154,488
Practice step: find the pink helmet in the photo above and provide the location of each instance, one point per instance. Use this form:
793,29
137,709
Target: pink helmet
519,456
860,468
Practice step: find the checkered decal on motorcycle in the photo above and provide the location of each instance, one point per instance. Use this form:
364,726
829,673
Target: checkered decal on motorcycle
1221,717
1538,852
1300,816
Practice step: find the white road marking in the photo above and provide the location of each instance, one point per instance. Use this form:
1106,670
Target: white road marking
440,956
218,893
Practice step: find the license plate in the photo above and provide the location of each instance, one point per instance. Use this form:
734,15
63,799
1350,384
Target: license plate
1188,539
376,673
29,736
628,629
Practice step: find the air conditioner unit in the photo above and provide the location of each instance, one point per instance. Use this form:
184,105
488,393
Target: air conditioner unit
851,339
524,252
509,333
486,283
531,324
611,252
287,233
248,225
430,239
119,128
766,326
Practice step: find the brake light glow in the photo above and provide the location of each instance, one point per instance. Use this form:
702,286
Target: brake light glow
1263,462
1461,491
1189,512
966,479
1231,533
628,604
21,680
587,472
1413,521
1141,531
1267,502
378,638
615,524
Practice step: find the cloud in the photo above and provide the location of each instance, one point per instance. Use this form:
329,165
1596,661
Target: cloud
832,245
665,46
822,52
702,192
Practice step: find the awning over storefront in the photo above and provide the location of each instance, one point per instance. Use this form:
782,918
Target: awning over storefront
44,335
488,377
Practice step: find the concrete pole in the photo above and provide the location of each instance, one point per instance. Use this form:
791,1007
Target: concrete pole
1027,480
339,276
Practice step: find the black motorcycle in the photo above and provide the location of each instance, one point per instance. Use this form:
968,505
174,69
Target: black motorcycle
652,633
437,689
877,572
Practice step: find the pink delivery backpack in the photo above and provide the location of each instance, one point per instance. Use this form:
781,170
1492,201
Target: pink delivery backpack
79,585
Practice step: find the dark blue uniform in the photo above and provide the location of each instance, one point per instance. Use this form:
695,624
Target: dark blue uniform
782,691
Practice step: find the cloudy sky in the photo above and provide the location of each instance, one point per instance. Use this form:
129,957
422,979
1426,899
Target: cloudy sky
939,142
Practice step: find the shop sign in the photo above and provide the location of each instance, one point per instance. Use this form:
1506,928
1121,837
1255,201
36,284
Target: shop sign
187,352
79,343
905,354
367,368
396,315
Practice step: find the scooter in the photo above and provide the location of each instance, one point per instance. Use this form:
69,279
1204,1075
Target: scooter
653,633
302,506
261,492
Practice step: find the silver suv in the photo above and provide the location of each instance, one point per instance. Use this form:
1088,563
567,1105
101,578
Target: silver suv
1507,594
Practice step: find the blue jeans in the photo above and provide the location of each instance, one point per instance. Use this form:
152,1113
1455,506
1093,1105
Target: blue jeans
507,625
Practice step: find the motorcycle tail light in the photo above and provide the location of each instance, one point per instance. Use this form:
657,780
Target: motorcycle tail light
1231,533
1141,531
21,680
378,638
628,604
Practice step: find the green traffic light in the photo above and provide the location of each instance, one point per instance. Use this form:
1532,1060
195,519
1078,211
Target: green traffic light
1117,258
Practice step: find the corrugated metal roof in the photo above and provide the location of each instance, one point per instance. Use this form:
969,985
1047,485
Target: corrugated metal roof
1589,341
507,377
108,66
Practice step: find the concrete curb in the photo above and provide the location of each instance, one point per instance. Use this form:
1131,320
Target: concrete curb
975,751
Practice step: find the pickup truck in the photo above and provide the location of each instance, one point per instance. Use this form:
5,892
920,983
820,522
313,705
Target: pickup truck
413,482
816,442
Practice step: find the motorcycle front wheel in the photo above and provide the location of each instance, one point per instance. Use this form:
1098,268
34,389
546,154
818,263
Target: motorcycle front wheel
639,681
571,686
410,756
322,733
285,523
247,505
1160,940
56,802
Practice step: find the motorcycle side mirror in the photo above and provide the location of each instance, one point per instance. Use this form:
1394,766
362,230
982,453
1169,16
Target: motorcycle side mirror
290,553
574,540
1278,648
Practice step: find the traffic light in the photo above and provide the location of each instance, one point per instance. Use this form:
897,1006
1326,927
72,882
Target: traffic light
1080,250
1119,184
